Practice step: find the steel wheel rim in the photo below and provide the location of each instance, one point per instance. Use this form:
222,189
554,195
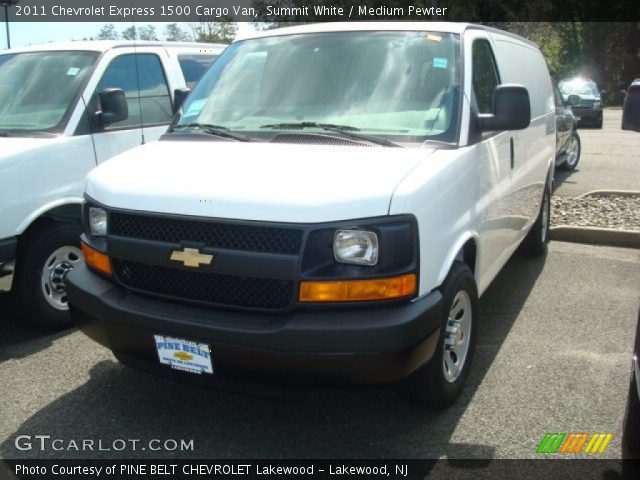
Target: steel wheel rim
545,218
457,336
572,151
54,275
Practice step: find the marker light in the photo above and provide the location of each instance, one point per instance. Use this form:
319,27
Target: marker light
358,290
96,259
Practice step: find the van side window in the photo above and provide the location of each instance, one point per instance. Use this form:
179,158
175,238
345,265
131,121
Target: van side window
485,75
144,86
194,66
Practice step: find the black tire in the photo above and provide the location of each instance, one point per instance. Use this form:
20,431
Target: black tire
34,249
428,386
599,122
631,427
535,243
566,165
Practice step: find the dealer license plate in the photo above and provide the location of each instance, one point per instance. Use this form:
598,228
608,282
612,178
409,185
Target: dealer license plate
184,355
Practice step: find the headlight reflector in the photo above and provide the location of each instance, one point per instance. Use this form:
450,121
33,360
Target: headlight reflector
97,221
596,105
359,247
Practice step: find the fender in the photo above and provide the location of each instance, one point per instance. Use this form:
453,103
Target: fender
455,250
60,214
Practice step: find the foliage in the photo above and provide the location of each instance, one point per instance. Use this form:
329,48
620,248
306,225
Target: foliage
107,32
174,33
148,32
130,33
214,32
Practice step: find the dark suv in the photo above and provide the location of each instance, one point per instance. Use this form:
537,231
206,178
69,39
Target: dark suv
585,100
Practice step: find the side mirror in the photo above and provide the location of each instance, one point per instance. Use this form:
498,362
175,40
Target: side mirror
179,96
574,100
511,109
113,106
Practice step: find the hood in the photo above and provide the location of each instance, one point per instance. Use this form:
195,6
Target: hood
254,181
12,147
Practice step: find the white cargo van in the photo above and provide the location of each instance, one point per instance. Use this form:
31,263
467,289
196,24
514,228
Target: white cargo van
327,207
53,130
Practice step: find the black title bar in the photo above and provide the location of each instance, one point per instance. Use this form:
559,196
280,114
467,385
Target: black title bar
141,11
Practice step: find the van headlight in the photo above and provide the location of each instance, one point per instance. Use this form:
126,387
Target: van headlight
97,221
596,105
359,247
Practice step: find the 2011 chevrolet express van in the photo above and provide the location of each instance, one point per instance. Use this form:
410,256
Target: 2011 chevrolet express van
327,207
53,132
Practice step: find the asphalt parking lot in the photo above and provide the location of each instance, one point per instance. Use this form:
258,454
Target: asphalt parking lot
553,355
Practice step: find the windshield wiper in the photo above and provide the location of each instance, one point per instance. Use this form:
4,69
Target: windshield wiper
210,129
346,130
5,133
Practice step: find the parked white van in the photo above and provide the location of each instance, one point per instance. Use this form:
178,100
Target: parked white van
327,207
54,129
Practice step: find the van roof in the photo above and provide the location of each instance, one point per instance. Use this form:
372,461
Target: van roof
444,27
104,45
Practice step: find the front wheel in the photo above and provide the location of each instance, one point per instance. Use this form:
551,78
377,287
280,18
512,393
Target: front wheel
45,257
572,156
439,383
536,241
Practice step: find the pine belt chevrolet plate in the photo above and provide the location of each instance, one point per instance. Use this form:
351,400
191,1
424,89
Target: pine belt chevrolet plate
184,355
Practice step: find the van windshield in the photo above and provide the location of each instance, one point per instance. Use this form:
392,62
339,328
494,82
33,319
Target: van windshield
37,88
402,86
578,87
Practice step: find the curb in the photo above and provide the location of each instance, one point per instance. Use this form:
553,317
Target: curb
621,193
596,236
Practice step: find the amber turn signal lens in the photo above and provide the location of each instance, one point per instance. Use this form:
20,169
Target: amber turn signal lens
358,290
96,259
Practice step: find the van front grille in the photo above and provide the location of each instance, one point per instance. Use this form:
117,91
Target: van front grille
204,287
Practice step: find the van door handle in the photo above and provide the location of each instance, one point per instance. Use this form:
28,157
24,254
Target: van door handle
513,155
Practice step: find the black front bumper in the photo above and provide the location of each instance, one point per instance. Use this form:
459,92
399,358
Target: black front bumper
587,115
324,346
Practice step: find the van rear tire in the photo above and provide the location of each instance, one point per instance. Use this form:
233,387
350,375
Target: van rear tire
536,241
439,383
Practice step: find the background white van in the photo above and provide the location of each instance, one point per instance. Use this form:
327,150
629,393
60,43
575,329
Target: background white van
52,134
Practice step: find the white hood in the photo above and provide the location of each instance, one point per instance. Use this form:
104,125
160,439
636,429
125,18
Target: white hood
254,181
11,147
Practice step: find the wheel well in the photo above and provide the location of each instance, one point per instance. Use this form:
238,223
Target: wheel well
70,213
467,254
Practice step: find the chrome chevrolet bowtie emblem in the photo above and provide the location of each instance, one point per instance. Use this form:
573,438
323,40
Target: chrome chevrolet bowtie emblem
191,257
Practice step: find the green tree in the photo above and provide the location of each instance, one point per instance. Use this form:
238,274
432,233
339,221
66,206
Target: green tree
130,33
214,32
148,32
174,33
107,32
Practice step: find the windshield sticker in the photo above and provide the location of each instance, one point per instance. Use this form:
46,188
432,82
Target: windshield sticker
434,38
439,62
195,107
73,71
